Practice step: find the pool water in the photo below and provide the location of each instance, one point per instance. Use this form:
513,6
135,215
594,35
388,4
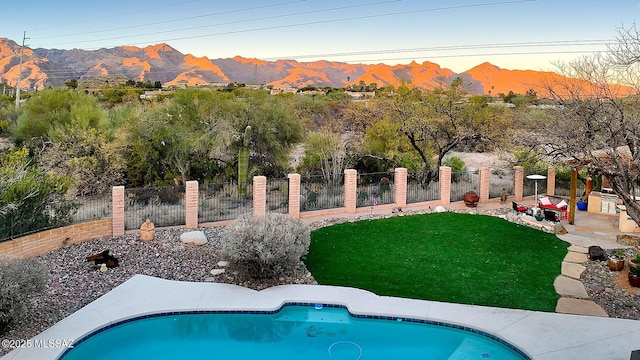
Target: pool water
293,332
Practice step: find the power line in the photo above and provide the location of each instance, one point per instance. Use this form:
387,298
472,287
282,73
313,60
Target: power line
319,22
171,20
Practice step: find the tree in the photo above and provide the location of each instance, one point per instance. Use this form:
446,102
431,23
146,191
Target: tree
72,84
50,109
30,199
446,119
596,123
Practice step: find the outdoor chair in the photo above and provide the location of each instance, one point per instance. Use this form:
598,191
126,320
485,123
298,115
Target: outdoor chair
518,208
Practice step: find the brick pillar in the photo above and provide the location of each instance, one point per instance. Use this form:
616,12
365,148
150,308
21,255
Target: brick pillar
551,181
191,205
518,182
259,195
294,195
350,190
117,210
485,184
400,186
445,185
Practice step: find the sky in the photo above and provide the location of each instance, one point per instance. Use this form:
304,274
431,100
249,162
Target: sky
456,34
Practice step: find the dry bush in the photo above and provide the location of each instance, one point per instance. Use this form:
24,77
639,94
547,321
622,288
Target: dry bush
266,246
19,280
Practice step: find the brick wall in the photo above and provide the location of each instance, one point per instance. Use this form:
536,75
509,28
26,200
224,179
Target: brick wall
294,195
551,181
350,190
259,195
400,185
518,178
191,205
117,210
45,241
485,184
445,185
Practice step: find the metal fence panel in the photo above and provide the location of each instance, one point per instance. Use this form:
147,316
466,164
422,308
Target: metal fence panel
463,182
501,179
164,206
375,189
218,202
423,186
320,192
278,196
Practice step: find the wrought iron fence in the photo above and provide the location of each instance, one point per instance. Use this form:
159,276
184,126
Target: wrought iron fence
375,189
563,183
423,186
218,202
16,223
278,195
529,186
92,208
501,179
320,192
463,182
164,206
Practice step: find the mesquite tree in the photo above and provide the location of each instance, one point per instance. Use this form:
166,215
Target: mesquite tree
596,121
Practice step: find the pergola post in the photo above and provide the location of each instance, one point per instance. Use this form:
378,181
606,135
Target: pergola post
572,196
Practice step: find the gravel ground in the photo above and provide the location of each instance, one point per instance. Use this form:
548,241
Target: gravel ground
73,282
611,289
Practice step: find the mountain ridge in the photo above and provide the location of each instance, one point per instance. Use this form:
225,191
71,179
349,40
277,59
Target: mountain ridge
161,62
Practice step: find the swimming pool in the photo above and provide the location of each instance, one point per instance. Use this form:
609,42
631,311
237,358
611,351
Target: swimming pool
295,331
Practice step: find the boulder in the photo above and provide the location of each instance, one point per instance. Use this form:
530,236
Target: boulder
194,238
596,253
440,209
215,272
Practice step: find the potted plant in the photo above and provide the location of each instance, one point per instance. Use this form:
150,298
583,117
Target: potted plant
615,261
634,271
581,204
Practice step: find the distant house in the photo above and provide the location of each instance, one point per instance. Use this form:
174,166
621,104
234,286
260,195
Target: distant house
276,91
356,95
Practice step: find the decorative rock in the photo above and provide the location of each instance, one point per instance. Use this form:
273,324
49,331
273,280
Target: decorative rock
223,263
628,239
103,267
215,272
440,209
147,231
193,238
596,288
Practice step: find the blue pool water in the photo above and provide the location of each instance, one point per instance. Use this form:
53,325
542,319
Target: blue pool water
293,332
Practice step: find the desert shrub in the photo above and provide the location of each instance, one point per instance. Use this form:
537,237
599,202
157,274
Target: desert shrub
19,280
267,245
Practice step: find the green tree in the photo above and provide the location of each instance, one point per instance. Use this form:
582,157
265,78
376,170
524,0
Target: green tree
51,109
71,84
30,199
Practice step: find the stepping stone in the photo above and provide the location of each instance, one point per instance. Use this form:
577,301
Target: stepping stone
572,270
565,286
579,307
575,257
578,249
194,238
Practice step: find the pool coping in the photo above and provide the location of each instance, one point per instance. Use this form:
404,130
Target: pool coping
541,335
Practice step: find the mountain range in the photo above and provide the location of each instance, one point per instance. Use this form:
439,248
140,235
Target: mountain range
53,67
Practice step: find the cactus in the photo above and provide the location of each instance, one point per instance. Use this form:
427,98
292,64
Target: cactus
243,162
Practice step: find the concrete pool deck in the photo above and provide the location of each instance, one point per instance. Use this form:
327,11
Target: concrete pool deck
543,336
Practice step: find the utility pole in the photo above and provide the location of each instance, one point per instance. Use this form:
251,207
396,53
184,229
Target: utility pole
24,37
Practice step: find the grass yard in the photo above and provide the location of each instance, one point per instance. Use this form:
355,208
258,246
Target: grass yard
460,258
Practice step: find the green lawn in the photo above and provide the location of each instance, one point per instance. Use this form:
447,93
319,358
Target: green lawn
468,259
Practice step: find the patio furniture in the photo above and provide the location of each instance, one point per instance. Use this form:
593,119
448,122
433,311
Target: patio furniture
518,208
